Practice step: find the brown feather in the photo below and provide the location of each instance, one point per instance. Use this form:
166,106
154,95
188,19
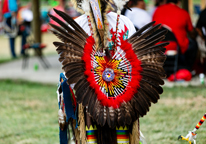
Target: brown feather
73,78
66,27
70,21
60,36
143,106
81,90
70,49
56,44
79,83
131,110
134,105
69,46
71,69
69,59
159,34
137,33
150,51
128,118
149,31
91,104
65,34
152,94
153,77
87,98
67,40
113,116
74,64
97,109
151,40
145,98
83,93
154,85
158,60
160,73
137,105
108,117
144,103
121,116
101,119
149,65
144,44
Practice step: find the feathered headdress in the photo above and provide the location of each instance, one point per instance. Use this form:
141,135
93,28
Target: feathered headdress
117,86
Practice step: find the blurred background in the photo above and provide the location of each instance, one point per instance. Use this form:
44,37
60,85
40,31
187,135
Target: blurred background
29,69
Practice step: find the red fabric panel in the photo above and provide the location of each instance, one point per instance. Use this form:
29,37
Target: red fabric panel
5,7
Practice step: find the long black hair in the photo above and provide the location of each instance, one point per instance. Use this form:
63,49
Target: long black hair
173,1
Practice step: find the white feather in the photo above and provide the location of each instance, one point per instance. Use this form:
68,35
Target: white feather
61,116
120,3
85,6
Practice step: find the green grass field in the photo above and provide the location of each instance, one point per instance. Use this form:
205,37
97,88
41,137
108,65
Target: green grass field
29,114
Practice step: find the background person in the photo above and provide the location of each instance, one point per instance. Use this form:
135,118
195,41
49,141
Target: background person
201,39
138,16
157,3
25,17
178,21
9,12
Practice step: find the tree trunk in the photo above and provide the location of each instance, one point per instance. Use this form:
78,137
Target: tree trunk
36,23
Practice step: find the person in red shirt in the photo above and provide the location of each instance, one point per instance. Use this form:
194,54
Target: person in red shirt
177,20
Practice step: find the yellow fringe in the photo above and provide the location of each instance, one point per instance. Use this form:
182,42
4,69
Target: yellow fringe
76,132
134,137
82,125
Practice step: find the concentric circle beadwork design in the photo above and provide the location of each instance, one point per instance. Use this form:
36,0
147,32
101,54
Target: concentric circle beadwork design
108,74
115,79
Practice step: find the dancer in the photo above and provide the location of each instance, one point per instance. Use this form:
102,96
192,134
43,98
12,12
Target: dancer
116,73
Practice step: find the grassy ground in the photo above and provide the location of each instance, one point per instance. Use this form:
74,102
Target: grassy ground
29,114
178,111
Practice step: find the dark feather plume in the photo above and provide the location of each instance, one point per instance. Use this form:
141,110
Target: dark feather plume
139,32
70,21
